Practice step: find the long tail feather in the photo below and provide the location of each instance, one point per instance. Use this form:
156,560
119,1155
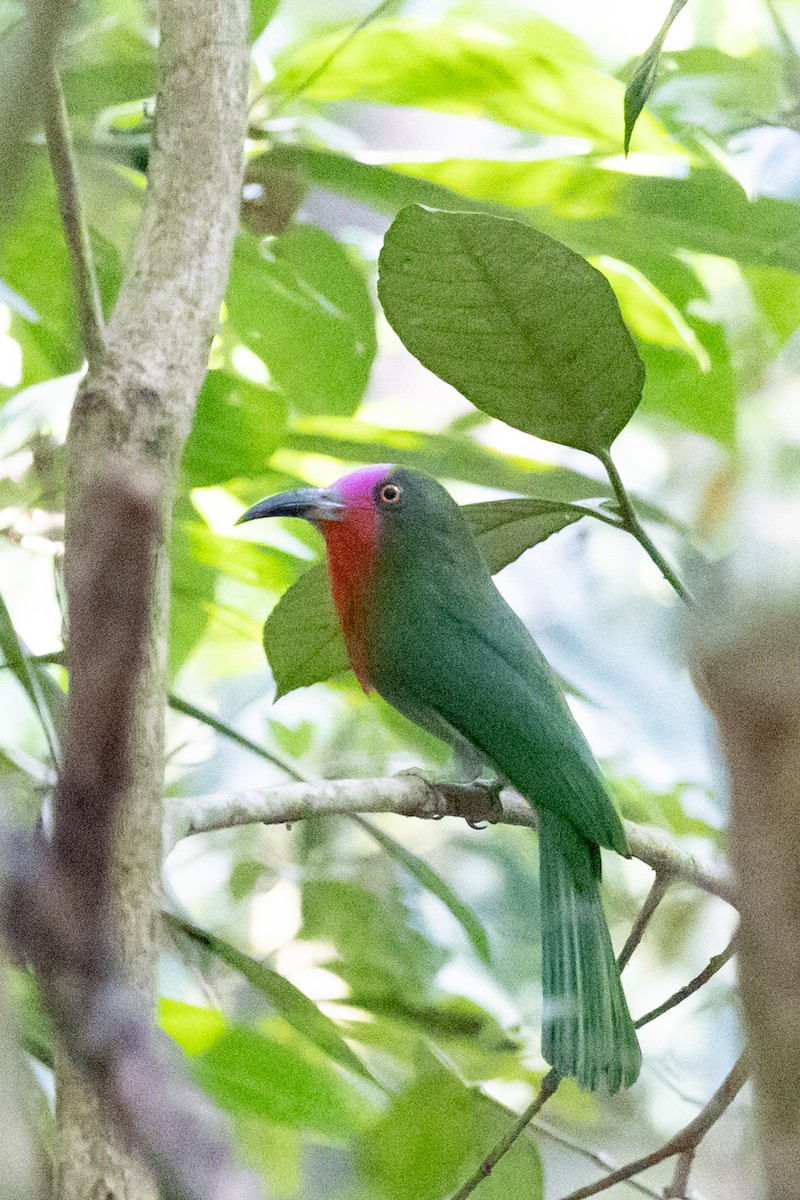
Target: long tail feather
587,1031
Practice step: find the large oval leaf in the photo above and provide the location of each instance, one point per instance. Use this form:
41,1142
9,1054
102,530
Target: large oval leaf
524,327
302,640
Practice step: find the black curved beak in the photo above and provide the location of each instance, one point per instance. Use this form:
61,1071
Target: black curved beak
312,504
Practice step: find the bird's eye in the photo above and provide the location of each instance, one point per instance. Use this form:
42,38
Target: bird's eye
390,493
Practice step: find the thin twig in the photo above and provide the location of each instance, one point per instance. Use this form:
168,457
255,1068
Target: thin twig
716,964
592,1156
679,1187
373,15
548,1087
634,526
688,1139
76,232
658,891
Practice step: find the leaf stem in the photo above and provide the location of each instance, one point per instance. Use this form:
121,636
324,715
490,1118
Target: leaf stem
633,525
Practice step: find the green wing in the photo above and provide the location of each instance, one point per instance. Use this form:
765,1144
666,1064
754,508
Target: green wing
448,655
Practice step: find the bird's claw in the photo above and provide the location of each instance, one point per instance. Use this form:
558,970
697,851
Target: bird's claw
492,788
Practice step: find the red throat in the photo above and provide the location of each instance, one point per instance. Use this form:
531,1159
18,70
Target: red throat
352,544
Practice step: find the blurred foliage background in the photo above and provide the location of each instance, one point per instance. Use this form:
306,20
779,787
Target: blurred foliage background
515,109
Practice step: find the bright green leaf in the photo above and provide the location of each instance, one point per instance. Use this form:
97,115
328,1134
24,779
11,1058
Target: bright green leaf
300,303
251,1075
261,13
465,68
644,77
434,1137
520,324
194,1029
648,313
237,427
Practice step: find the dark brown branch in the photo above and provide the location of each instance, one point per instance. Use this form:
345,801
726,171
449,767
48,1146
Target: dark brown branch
715,964
59,905
684,1143
62,160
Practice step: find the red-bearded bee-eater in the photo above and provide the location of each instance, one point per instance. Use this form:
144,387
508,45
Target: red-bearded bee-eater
426,627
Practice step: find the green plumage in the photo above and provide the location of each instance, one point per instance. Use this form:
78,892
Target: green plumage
446,650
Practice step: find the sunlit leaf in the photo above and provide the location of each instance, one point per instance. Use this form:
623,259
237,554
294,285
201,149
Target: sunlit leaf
465,68
409,1155
300,303
249,1074
237,426
525,328
261,13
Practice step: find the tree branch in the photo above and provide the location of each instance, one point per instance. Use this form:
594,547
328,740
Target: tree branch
62,161
716,964
658,891
134,410
58,896
413,796
684,1143
749,652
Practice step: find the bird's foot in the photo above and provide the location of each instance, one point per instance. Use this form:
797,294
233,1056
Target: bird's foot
434,805
447,798
493,813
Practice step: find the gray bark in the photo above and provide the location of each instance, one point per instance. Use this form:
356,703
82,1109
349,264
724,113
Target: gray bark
753,684
134,411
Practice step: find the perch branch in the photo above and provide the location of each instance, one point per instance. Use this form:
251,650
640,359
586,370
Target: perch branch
412,796
59,896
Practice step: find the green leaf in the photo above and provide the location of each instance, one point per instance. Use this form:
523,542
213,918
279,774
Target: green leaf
525,328
435,1135
378,953
302,639
429,879
542,83
507,528
705,90
285,998
194,1029
300,303
251,1075
261,13
644,77
237,427
38,688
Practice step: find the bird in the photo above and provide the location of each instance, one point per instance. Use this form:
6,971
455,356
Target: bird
426,627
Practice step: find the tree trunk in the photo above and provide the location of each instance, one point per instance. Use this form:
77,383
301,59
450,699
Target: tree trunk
134,410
